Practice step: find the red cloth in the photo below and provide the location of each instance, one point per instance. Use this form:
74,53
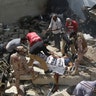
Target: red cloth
73,26
32,37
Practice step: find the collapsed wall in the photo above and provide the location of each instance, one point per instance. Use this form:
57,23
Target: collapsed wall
11,10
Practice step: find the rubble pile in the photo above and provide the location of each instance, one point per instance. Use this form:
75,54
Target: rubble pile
40,24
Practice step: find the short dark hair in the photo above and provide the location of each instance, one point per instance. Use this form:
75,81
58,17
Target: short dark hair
23,39
30,30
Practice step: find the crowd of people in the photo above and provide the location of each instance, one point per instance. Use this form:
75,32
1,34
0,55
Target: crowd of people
73,41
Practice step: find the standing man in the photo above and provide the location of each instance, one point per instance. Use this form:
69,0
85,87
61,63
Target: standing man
2,49
55,26
81,50
71,26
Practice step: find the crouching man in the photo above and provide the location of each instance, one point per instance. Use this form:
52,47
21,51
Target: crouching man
20,66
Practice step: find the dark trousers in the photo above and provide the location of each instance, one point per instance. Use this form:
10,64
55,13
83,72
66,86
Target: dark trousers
57,40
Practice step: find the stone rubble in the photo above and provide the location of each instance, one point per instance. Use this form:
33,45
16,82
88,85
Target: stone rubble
67,80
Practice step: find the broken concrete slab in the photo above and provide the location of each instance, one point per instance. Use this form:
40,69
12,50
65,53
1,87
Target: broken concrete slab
63,80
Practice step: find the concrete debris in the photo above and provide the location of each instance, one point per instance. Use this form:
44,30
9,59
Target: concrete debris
13,89
42,85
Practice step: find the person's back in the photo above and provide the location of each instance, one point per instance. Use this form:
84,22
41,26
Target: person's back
71,25
55,25
33,37
13,44
74,23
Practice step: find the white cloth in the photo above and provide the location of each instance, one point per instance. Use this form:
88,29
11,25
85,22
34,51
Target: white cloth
57,65
56,25
13,89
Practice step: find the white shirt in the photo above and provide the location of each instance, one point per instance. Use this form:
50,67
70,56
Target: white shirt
57,65
56,25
